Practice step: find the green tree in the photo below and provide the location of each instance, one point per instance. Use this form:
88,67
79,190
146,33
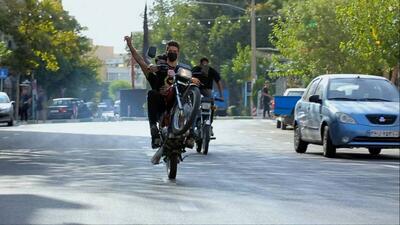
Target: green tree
116,86
49,44
374,28
4,51
343,36
309,36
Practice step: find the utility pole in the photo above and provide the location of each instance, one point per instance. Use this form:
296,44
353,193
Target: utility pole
253,53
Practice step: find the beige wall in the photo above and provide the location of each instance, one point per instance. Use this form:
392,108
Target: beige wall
103,53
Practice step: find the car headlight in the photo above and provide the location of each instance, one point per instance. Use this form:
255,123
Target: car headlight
5,109
345,118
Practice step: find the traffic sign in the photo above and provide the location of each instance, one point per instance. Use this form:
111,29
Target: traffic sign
3,73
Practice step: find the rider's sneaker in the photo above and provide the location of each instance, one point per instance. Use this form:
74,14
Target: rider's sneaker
155,142
155,137
157,156
189,142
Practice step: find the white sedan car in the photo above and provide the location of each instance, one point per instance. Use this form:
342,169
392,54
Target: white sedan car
6,109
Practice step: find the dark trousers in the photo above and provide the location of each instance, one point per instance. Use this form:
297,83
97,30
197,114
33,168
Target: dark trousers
24,114
266,109
155,106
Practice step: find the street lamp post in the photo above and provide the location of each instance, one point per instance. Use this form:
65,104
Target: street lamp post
253,53
253,40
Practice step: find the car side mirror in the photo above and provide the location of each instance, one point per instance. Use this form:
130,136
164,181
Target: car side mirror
12,102
315,99
151,52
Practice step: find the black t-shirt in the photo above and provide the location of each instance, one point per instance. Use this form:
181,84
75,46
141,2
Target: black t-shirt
206,75
266,91
160,78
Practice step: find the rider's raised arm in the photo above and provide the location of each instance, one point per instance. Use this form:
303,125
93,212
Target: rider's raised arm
139,59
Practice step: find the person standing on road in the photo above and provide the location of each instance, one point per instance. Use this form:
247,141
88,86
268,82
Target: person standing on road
266,100
40,106
25,105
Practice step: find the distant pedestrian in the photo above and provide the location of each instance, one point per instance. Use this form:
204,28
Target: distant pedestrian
266,99
25,105
40,108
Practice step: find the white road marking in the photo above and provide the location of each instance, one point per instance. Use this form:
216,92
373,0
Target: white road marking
389,166
188,207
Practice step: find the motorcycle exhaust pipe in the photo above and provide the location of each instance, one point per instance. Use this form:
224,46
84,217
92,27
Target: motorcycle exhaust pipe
157,156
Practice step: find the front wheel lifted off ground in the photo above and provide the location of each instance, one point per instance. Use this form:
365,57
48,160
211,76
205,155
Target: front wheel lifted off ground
183,120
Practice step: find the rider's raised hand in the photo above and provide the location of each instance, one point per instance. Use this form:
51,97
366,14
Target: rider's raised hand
128,40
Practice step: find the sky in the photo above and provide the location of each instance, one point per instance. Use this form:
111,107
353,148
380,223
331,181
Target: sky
108,21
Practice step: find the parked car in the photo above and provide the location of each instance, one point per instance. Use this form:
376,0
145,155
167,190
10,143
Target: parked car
348,111
6,109
294,92
284,106
68,108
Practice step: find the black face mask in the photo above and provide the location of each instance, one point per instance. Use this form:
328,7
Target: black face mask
172,56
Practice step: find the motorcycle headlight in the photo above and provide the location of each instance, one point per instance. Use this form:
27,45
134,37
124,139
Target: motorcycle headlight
184,73
206,105
345,118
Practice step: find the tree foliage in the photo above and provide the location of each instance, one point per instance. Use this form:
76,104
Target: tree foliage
49,44
116,86
342,36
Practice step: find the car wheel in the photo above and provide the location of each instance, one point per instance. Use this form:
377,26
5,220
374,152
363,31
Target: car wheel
329,148
374,151
10,123
300,146
278,124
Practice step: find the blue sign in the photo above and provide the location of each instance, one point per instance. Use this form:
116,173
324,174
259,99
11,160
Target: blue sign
3,73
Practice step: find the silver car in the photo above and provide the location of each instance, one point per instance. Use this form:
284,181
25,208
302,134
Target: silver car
348,111
6,109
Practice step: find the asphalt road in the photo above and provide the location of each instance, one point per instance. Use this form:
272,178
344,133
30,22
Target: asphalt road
100,173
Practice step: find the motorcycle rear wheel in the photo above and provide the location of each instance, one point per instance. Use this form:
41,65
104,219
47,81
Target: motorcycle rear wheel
172,166
206,139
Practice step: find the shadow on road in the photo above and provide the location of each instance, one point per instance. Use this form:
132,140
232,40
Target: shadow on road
121,164
19,208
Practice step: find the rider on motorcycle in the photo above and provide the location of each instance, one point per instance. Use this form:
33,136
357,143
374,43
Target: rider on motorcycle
160,82
207,75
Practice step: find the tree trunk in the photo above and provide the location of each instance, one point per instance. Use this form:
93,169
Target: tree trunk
396,75
17,98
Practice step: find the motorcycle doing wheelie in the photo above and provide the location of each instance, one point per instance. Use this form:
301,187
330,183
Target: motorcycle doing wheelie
203,129
175,124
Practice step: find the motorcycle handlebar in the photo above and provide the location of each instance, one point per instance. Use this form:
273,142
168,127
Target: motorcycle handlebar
218,99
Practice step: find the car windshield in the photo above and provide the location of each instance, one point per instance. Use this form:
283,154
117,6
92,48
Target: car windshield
62,102
4,99
295,93
359,89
